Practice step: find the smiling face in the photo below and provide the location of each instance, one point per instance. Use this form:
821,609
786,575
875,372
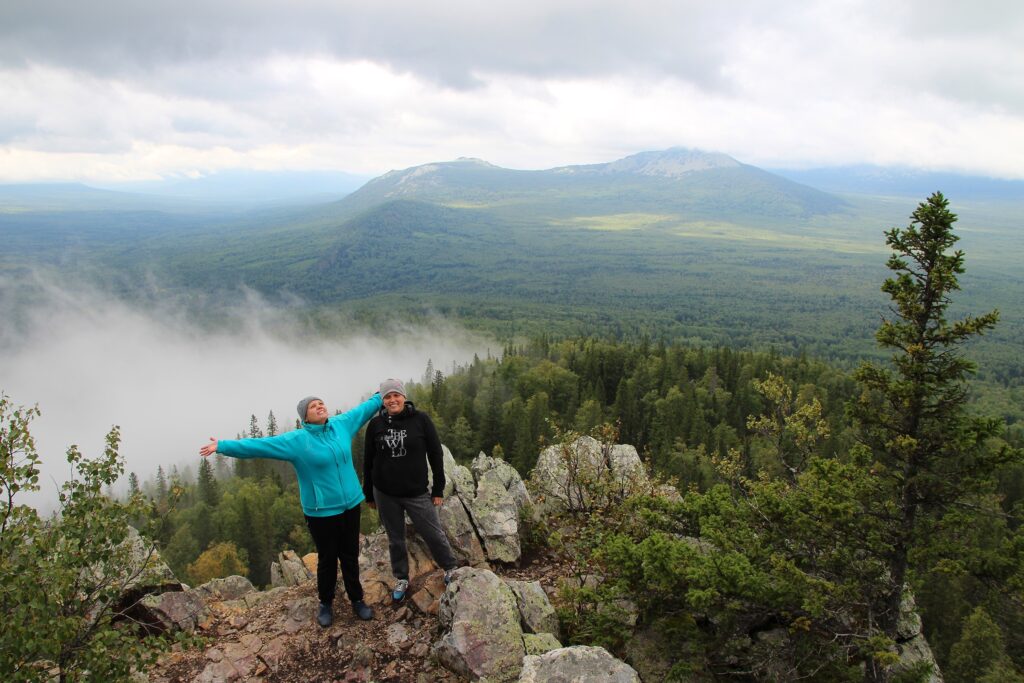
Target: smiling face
316,412
394,402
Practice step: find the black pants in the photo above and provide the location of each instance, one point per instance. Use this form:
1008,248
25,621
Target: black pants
337,538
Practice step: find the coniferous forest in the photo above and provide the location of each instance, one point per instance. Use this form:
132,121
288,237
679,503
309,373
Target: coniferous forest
823,497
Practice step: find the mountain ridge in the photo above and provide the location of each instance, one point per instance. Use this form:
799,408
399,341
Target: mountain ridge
679,179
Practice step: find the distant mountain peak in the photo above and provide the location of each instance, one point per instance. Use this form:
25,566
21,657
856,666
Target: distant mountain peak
674,162
424,172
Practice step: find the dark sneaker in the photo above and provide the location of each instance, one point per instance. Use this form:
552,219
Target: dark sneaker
324,616
362,610
448,576
398,594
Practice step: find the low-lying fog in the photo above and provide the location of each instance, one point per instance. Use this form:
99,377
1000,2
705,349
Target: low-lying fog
91,361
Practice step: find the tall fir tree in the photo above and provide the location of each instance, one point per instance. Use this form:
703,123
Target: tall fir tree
209,490
929,452
133,485
161,487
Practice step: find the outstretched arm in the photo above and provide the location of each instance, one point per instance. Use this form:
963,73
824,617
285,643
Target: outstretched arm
286,446
355,418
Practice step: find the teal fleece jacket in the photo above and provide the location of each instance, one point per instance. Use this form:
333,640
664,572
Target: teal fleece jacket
321,456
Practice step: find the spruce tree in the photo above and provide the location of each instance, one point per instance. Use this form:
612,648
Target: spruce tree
209,491
133,485
929,452
161,487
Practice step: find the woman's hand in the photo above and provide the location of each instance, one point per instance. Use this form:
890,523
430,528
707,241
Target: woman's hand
209,449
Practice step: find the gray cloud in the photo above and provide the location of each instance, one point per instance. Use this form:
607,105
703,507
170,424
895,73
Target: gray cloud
91,361
447,42
143,90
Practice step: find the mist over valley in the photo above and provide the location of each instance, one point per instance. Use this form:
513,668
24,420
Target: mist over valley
171,380
179,325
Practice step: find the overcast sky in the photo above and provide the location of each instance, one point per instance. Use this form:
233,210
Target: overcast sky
124,89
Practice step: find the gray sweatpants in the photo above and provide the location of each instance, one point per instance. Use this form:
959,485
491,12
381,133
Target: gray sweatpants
424,518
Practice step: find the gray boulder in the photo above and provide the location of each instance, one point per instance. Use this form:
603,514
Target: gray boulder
154,576
227,588
539,643
289,570
536,612
173,611
911,643
577,664
566,475
375,564
496,518
461,533
504,473
481,636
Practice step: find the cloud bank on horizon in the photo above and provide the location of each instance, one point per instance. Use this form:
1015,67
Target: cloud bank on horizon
127,91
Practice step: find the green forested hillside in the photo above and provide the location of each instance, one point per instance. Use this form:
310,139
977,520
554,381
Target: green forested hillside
677,245
685,408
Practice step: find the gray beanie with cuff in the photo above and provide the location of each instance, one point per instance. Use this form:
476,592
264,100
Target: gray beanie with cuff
390,385
304,405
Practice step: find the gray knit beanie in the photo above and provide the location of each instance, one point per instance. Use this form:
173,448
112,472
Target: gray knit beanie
389,385
304,404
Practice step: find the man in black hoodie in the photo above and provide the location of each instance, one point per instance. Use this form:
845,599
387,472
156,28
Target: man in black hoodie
400,442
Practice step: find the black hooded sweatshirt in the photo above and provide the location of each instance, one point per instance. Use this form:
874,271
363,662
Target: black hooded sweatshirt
396,453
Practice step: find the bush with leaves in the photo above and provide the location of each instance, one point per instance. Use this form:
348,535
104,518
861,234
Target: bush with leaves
63,580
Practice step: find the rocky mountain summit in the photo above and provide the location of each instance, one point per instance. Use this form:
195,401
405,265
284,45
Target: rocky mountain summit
494,622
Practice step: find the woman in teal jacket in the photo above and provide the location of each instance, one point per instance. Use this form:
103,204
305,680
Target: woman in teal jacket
329,490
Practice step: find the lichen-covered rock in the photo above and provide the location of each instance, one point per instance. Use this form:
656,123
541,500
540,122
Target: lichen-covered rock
537,615
539,643
461,533
569,475
427,596
458,480
173,611
480,622
911,643
227,588
917,650
375,564
578,663
496,518
506,474
289,570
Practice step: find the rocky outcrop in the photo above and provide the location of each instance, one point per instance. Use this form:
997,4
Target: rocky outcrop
585,474
227,588
375,567
493,495
480,514
289,570
911,643
578,663
190,609
535,610
150,575
480,622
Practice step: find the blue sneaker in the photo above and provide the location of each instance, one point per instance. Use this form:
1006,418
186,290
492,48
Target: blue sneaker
324,616
448,576
398,594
